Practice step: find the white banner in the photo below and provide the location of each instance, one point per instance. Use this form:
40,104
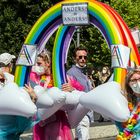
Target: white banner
27,56
120,56
136,36
75,14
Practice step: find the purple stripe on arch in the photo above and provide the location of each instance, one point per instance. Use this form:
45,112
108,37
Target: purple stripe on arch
65,49
48,33
95,22
67,40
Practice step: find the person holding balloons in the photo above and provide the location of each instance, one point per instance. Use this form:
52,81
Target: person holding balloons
11,126
56,126
76,73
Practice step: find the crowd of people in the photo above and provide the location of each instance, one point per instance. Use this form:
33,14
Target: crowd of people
57,126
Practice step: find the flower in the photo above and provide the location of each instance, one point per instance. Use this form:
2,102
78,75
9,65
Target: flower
130,124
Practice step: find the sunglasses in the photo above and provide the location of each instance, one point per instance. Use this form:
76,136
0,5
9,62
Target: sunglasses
85,57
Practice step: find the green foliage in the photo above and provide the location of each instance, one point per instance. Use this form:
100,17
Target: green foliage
128,10
18,16
16,19
99,54
98,51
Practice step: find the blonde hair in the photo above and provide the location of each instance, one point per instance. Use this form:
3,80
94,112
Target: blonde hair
46,56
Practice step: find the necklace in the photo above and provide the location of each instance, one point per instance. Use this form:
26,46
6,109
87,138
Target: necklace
46,81
129,125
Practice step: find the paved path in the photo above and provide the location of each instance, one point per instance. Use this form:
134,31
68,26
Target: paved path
102,131
98,131
109,138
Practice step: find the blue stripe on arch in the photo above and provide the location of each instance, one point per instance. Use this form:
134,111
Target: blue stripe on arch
45,23
60,53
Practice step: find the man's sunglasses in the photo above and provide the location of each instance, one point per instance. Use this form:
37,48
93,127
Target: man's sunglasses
85,57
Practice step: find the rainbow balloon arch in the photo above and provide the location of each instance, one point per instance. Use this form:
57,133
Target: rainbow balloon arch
107,20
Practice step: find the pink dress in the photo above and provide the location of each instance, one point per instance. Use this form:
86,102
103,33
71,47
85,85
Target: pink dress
56,127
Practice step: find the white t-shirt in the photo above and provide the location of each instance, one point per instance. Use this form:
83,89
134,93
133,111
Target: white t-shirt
9,78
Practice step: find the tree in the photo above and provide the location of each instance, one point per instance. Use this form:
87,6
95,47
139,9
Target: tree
18,16
99,52
16,19
128,10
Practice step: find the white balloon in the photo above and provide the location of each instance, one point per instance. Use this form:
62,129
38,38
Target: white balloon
72,99
75,111
45,113
24,93
58,98
43,99
108,100
14,101
56,95
76,115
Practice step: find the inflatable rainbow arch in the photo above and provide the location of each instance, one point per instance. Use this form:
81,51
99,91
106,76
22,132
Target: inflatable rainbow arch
106,19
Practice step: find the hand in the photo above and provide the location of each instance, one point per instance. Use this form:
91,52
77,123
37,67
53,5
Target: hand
31,92
67,87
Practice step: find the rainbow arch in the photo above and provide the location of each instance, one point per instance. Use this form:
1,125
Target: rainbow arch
111,25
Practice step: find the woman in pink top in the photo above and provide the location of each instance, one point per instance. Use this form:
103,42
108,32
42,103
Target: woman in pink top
55,127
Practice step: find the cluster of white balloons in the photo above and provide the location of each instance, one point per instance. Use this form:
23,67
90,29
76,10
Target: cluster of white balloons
105,99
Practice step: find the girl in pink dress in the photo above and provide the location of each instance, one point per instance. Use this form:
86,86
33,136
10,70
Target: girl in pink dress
55,127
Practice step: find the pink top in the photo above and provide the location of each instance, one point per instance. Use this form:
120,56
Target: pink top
56,126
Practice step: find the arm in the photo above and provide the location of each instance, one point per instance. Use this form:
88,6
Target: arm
31,92
74,83
67,87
